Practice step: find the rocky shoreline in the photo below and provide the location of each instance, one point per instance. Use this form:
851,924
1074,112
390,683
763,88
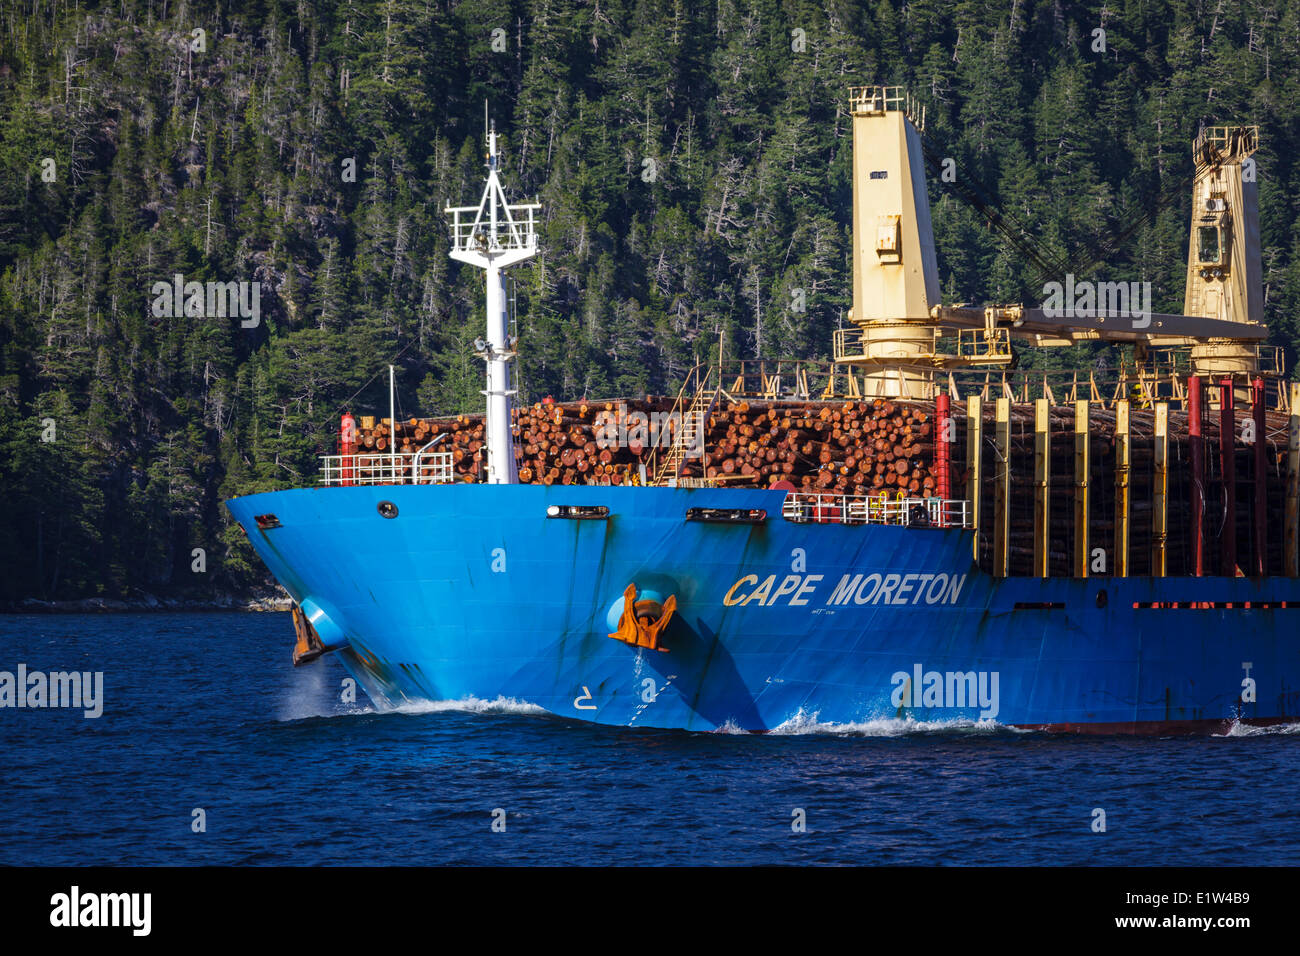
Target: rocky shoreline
269,601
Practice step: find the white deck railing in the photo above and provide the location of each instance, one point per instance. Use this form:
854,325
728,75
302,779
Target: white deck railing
379,468
875,509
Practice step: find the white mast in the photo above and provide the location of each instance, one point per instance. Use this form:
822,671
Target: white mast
492,236
392,425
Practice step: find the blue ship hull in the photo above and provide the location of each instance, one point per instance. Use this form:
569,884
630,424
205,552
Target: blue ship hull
472,591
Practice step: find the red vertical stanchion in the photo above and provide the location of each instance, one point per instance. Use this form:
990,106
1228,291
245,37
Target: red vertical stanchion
1228,464
942,452
347,446
1261,478
1196,450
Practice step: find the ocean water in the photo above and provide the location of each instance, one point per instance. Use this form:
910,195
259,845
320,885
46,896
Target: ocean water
204,712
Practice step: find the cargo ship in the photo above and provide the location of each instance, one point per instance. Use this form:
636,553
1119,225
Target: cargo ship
916,531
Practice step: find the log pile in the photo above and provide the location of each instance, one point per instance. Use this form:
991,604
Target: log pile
837,448
832,447
887,447
465,439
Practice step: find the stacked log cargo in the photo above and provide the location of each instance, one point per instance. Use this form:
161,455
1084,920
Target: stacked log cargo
881,447
878,447
1102,526
887,447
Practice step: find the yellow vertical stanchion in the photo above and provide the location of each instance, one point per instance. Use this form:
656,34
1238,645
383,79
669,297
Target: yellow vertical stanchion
974,445
1042,486
1292,532
1122,477
1160,493
1002,490
1081,464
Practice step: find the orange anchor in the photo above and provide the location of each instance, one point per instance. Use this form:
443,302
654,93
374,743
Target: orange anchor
643,621
308,645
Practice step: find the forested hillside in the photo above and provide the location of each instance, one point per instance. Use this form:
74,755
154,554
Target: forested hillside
692,159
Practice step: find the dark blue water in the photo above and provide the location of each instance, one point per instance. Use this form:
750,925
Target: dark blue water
206,711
